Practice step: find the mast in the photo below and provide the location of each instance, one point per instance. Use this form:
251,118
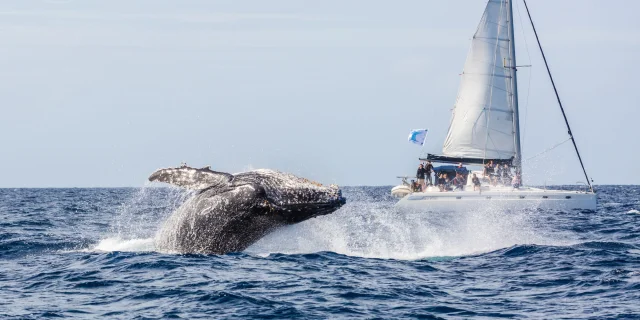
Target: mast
517,160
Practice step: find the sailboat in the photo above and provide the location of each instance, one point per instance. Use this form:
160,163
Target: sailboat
485,131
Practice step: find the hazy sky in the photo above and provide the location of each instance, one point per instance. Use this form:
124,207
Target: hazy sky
102,93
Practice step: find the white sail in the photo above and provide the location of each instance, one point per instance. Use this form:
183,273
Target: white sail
482,123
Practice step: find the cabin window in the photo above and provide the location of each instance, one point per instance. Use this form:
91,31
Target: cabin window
521,197
488,197
545,197
458,197
568,197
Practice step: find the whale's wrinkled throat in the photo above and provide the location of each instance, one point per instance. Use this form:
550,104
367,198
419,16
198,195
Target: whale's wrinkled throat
229,212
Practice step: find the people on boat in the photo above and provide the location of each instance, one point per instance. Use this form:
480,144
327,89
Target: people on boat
448,182
420,174
428,170
476,182
459,182
488,169
414,186
515,183
442,182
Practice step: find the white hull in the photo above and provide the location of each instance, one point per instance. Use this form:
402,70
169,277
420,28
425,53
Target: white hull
500,199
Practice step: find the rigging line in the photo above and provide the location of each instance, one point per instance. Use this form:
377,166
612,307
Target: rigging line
526,105
548,149
558,97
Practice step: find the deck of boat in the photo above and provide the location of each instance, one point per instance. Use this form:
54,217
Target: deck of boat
499,197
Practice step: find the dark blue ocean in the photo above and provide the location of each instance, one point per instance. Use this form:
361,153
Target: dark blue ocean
90,253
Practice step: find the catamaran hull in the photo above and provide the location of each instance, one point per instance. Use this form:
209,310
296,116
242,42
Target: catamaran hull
514,200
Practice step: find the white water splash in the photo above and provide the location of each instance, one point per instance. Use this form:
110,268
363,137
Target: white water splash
377,230
129,245
633,211
136,226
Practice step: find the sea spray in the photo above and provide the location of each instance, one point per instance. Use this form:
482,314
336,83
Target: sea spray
373,228
139,219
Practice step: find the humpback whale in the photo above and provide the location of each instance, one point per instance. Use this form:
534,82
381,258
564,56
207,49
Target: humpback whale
229,212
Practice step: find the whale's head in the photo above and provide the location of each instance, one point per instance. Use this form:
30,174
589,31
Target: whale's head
295,199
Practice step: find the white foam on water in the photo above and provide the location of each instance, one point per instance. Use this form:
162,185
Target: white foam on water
126,245
612,204
633,211
377,230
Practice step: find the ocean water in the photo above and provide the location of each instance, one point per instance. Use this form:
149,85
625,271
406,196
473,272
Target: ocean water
90,253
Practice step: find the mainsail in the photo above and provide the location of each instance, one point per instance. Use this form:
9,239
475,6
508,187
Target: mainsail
482,125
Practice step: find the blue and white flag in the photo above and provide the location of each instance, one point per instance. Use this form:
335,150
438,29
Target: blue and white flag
418,136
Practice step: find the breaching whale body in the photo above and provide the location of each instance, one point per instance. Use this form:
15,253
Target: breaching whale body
229,212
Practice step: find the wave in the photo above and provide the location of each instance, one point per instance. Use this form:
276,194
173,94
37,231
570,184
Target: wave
606,245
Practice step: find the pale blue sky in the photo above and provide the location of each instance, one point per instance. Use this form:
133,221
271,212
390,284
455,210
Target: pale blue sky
101,93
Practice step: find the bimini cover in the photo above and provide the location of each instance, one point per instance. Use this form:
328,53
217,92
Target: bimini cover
482,121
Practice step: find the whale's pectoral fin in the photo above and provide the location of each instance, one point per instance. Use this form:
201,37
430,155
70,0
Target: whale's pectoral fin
192,178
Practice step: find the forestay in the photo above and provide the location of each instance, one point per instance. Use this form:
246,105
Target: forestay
482,125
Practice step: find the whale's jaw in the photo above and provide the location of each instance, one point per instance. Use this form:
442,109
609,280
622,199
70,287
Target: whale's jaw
295,213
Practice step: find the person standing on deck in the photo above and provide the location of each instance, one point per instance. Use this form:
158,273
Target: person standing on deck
420,176
428,171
